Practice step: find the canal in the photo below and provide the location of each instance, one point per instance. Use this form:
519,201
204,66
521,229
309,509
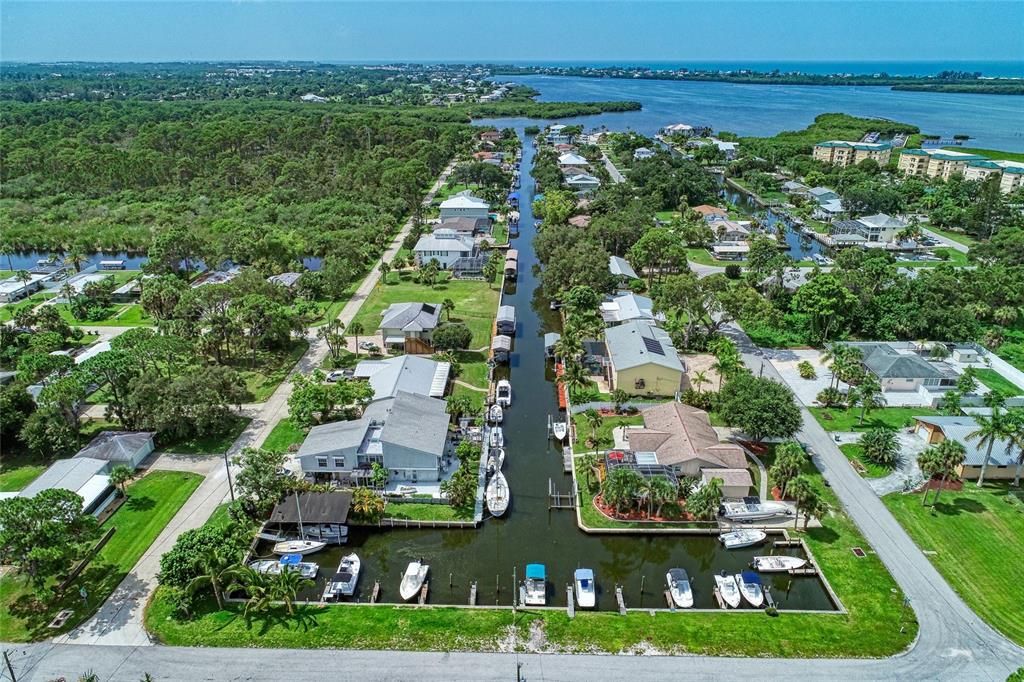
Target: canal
529,533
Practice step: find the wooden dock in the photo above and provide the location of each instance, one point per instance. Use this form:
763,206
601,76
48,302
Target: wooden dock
472,594
787,543
567,460
718,598
375,595
423,593
620,599
668,600
768,597
570,603
807,570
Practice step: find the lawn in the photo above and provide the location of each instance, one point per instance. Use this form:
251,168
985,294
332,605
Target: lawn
958,237
271,368
838,419
476,303
328,310
120,315
283,436
499,233
476,398
472,367
209,445
428,512
18,469
7,311
704,257
997,382
152,501
604,433
855,453
977,539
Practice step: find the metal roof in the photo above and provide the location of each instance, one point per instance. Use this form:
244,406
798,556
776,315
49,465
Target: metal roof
414,317
959,428
70,474
620,267
627,346
329,507
409,373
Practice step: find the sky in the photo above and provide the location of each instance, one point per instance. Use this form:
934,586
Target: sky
585,30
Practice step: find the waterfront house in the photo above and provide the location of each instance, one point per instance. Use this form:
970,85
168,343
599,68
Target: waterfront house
822,194
409,326
465,225
711,213
582,182
406,373
730,150
642,360
572,160
730,250
620,268
556,135
627,307
14,289
794,187
465,205
450,249
1003,462
407,435
490,136
678,129
829,210
904,370
842,153
879,228
731,231
736,483
641,153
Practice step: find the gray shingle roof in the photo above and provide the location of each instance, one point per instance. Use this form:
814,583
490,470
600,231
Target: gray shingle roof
412,317
412,421
887,363
334,437
637,343
116,446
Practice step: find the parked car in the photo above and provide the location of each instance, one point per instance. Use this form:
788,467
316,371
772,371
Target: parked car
369,346
339,374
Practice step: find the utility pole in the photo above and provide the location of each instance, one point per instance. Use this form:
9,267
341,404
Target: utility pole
227,468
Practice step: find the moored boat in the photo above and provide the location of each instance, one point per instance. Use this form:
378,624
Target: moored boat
497,494
560,429
728,589
777,564
265,566
503,393
586,591
735,539
497,437
679,587
750,587
413,578
294,562
495,460
535,587
331,533
343,583
754,510
299,547
495,414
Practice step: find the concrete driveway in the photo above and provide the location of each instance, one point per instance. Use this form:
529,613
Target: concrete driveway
785,363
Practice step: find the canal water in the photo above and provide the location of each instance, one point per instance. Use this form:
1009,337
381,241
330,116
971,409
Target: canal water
529,533
798,245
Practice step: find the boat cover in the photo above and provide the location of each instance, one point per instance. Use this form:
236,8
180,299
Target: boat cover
678,574
291,560
751,577
342,577
535,572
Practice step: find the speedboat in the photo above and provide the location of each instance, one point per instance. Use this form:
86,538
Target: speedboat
535,587
497,437
294,562
728,589
343,583
679,587
752,509
777,564
586,592
495,460
413,579
503,394
331,533
265,566
742,538
495,414
560,429
299,546
497,494
750,587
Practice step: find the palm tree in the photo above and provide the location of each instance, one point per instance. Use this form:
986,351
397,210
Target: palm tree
594,421
1016,441
7,248
950,455
698,379
385,268
619,398
447,307
881,446
620,487
788,463
459,405
286,585
574,377
218,570
257,589
588,463
355,329
662,492
814,506
990,430
119,476
568,347
869,394
704,503
802,491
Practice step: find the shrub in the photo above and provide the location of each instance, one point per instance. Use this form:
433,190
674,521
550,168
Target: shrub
881,447
806,370
452,336
830,397
733,271
184,561
704,400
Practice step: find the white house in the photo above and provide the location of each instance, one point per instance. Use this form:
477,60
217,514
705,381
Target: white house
641,153
464,204
445,246
581,182
570,159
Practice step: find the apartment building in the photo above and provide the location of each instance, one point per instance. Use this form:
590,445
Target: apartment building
842,153
943,163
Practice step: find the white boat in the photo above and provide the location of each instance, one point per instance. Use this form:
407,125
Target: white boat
504,393
294,562
750,587
729,590
754,510
497,437
299,547
679,587
413,579
735,539
496,414
343,583
535,587
586,591
497,494
265,566
560,429
331,533
777,564
495,460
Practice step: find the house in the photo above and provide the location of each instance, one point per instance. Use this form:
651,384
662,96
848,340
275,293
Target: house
880,228
736,483
465,205
641,153
217,277
445,246
406,373
582,182
794,187
501,348
580,221
679,129
128,448
288,280
407,435
87,477
682,438
1003,462
490,136
556,135
642,360
904,370
620,267
572,160
729,149
465,225
14,289
711,213
627,307
410,326
731,231
310,97
730,250
822,194
506,320
829,210
842,153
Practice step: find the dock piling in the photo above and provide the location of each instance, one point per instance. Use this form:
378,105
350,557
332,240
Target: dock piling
620,599
472,594
375,595
423,593
570,603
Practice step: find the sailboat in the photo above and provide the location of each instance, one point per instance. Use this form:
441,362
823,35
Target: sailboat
299,546
560,429
497,494
586,593
728,589
679,587
750,587
413,579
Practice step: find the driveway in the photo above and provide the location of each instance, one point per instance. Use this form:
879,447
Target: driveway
785,363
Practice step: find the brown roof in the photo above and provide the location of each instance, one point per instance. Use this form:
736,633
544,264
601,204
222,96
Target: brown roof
730,477
679,433
706,210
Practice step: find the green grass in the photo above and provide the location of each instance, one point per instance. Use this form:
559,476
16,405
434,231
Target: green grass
476,303
283,436
271,368
8,310
977,536
499,233
993,154
839,419
209,445
855,453
328,310
667,216
428,512
604,433
18,469
959,237
704,257
997,382
472,367
476,398
152,501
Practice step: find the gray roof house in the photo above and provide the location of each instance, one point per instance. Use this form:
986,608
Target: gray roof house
822,194
620,267
84,476
446,246
873,228
642,360
466,225
407,434
464,204
119,447
406,373
935,429
285,279
904,370
410,325
629,306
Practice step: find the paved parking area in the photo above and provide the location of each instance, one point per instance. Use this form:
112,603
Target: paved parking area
785,363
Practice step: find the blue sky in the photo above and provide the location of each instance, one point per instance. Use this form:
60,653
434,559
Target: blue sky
522,31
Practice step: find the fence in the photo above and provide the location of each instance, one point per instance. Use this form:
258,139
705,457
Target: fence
77,570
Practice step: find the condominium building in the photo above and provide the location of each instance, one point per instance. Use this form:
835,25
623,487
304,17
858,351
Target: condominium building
943,163
841,153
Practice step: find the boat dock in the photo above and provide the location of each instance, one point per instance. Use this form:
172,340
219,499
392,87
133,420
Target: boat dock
718,598
375,595
768,600
559,500
669,601
570,603
472,594
787,543
810,569
567,459
620,600
423,593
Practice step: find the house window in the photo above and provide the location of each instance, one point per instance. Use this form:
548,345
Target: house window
339,462
639,383
321,462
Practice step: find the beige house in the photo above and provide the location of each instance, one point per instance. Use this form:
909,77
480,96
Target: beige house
1003,463
642,360
842,153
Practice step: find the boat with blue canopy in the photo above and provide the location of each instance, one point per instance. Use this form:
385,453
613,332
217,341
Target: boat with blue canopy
535,586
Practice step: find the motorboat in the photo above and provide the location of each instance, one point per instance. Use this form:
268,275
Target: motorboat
745,537
753,509
331,533
679,587
294,562
413,579
535,587
495,460
299,547
503,394
777,564
728,589
497,494
497,437
265,566
495,414
560,429
343,583
586,592
750,587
